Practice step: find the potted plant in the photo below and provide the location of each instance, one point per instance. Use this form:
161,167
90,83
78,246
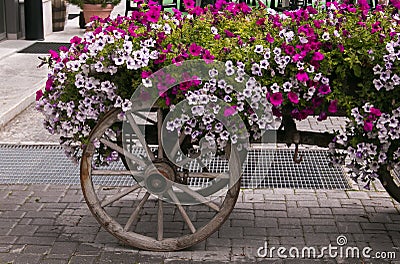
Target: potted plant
99,8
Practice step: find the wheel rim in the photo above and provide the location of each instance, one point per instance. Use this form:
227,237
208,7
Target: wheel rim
159,240
390,182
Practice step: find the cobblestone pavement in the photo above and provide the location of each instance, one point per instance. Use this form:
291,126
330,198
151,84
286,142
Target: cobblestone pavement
52,224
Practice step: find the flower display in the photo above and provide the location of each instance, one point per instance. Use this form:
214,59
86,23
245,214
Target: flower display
300,63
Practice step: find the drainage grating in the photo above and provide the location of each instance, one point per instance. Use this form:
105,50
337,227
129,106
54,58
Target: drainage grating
43,47
264,168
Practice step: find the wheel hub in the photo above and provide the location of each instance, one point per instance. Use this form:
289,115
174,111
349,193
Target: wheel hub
159,176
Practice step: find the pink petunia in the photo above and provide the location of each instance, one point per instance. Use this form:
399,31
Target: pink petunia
292,96
276,99
269,38
195,49
39,94
75,40
153,14
368,126
230,110
208,57
229,34
49,84
318,56
54,54
302,76
146,74
375,111
332,108
189,4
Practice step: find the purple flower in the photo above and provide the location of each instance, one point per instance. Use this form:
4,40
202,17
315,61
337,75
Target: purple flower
332,108
318,56
368,126
39,94
269,38
302,76
153,14
229,34
208,57
276,99
195,49
292,96
322,116
189,4
230,110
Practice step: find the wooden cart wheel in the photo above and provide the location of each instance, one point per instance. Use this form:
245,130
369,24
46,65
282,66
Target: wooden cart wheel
391,182
136,215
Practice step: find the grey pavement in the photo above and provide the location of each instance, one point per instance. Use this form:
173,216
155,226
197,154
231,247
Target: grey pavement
52,224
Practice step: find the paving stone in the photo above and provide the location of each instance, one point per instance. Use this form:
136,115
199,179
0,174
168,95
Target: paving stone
82,259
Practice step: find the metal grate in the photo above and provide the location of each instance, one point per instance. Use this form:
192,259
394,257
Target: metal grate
43,47
264,168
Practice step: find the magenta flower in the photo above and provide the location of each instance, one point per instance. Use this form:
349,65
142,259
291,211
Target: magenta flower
375,111
75,40
54,54
324,89
153,14
219,4
269,38
368,126
363,4
292,96
229,34
216,37
39,94
49,84
302,76
318,56
195,49
230,110
341,48
322,116
146,74
260,21
276,99
332,108
189,4
208,57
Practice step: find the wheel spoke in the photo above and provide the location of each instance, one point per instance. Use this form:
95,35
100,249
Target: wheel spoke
198,197
123,152
145,118
135,213
119,195
140,136
160,220
159,129
177,145
182,211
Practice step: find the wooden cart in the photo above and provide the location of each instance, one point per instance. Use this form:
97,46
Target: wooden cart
162,187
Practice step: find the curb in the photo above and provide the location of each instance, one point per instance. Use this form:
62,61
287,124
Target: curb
20,106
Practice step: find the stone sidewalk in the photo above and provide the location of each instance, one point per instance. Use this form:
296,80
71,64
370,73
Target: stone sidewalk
52,224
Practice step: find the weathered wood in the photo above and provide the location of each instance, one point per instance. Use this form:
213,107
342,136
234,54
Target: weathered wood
136,239
140,136
160,221
198,197
118,196
182,211
121,151
114,173
136,212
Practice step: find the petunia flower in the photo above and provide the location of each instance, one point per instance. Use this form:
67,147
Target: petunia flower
276,99
302,76
195,49
293,97
39,94
332,108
